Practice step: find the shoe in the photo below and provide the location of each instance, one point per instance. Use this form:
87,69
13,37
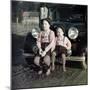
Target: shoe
64,69
48,72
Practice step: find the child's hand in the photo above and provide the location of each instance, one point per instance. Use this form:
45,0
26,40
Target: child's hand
40,51
65,46
61,44
43,54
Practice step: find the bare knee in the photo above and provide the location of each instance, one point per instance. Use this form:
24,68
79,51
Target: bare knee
63,56
47,60
37,60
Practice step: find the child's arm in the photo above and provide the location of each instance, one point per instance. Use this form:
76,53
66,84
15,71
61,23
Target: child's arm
68,44
54,45
52,42
39,43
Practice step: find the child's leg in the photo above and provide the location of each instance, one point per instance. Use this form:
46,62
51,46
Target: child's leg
53,55
64,61
47,62
37,62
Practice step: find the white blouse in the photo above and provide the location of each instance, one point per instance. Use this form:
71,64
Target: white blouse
63,42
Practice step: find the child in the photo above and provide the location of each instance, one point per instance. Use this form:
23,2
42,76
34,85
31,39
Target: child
45,43
62,45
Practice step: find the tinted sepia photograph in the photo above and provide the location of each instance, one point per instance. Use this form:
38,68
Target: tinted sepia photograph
49,45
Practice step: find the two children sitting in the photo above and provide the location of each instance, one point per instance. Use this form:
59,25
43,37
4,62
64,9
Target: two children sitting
51,46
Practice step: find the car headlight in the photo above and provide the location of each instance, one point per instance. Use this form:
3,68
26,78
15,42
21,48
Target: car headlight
34,33
73,33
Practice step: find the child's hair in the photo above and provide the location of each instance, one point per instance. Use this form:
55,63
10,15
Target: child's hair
46,19
63,29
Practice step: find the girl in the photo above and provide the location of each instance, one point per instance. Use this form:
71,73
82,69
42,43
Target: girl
45,43
62,45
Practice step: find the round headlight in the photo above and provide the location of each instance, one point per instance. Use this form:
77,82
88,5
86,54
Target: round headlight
73,33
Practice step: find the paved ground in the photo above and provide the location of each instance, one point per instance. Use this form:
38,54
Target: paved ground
24,77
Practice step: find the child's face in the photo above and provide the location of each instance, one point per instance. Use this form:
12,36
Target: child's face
60,32
46,25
